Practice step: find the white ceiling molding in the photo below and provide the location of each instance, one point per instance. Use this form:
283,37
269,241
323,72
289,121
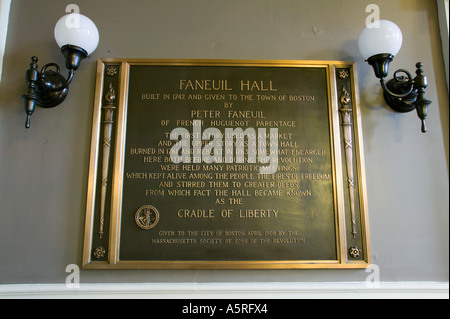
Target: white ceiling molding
254,290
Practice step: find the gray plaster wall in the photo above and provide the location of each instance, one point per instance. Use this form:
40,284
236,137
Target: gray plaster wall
44,170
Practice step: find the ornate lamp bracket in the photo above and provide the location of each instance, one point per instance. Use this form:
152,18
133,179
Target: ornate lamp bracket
402,93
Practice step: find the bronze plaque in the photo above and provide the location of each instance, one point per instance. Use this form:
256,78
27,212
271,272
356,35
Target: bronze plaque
219,164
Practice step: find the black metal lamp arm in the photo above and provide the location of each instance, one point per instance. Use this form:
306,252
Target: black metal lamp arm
48,82
397,78
46,88
404,94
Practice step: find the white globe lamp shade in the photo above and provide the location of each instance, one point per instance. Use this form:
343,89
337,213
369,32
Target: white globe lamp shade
380,37
77,30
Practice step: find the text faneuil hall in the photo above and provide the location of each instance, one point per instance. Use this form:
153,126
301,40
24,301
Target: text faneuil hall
224,85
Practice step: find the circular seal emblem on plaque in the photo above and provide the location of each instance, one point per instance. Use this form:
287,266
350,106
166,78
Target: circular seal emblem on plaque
147,217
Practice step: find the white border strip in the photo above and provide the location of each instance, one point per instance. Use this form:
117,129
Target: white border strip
280,290
443,13
4,18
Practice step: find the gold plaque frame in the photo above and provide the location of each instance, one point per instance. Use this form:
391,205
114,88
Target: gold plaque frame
103,224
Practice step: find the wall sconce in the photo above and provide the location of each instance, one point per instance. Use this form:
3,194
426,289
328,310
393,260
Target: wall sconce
77,36
379,42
